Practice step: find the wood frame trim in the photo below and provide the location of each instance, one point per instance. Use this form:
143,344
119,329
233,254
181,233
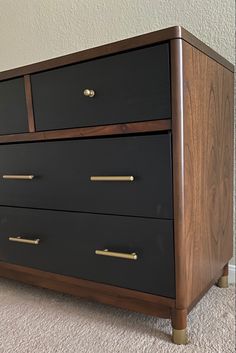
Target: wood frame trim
178,166
93,131
119,297
166,34
29,103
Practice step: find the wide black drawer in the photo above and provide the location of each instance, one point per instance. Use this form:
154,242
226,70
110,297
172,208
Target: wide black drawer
13,112
68,242
130,86
62,173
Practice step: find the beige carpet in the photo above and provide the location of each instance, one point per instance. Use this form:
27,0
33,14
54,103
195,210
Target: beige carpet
34,320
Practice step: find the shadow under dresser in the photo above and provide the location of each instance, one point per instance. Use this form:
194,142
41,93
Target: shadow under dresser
116,174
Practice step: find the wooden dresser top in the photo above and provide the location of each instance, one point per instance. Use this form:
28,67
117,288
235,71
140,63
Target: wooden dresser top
176,32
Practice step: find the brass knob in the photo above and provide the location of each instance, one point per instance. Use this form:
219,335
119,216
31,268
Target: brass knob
89,93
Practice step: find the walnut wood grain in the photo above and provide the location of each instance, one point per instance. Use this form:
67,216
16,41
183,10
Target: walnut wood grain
29,103
122,45
205,290
203,182
226,270
119,297
116,129
179,318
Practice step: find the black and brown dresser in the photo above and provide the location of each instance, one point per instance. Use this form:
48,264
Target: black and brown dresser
116,174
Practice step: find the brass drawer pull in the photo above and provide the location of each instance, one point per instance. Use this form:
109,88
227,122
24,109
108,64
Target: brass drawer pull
89,93
121,255
25,241
18,177
112,178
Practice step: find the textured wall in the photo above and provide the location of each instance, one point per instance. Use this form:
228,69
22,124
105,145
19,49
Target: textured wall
35,30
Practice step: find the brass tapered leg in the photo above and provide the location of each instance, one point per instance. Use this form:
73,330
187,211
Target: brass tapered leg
179,336
223,282
179,324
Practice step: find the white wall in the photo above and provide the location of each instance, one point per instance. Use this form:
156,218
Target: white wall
35,30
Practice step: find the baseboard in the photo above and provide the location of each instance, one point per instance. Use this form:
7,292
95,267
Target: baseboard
232,273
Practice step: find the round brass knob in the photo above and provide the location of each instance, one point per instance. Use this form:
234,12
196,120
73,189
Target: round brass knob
89,93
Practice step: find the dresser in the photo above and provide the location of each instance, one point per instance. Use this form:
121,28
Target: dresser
116,174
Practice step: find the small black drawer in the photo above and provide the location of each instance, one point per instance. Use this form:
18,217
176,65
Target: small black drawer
130,86
68,242
13,111
62,173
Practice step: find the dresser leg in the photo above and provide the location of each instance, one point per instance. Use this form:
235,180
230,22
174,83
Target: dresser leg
223,280
179,326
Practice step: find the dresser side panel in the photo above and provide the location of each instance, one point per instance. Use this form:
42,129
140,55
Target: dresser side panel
208,169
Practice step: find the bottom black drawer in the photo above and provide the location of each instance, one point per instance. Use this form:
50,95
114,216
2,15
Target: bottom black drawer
73,244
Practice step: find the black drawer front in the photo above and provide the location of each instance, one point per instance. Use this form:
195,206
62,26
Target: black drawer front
68,242
131,86
13,112
62,171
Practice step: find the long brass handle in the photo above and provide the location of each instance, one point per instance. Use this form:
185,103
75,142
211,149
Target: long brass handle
18,177
112,178
121,255
19,239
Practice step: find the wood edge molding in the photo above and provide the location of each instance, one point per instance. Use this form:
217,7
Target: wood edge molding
119,297
93,131
176,51
176,32
29,103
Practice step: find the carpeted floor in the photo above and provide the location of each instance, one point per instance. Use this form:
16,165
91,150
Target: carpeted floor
34,320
